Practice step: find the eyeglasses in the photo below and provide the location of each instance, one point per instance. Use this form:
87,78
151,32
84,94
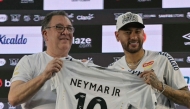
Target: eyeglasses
60,28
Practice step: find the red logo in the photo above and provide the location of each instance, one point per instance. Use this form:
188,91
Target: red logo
148,63
1,83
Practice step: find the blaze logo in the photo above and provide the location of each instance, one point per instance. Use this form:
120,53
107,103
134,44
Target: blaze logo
83,42
1,83
148,65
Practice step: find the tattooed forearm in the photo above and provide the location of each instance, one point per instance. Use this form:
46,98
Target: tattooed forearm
181,97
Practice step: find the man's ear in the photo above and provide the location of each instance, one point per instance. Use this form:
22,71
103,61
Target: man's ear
117,36
44,34
144,36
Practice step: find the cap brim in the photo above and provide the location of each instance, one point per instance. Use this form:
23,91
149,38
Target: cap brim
132,24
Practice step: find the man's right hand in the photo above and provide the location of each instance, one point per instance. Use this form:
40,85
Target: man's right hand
21,91
52,67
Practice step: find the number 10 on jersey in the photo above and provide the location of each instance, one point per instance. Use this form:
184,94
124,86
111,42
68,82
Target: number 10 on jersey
96,100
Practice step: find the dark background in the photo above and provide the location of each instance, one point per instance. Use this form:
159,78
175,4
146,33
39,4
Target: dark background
172,37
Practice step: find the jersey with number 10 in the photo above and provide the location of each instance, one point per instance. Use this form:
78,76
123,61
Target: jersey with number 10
87,86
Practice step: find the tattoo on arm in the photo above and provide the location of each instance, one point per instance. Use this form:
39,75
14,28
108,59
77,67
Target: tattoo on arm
181,96
185,88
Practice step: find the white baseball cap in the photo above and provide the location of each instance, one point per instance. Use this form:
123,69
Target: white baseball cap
129,19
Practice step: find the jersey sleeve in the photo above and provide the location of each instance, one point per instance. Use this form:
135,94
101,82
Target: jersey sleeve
23,70
172,74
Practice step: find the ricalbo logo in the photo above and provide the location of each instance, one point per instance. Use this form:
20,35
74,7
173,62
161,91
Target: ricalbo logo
17,40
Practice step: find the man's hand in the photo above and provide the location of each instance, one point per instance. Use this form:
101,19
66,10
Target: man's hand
52,67
151,79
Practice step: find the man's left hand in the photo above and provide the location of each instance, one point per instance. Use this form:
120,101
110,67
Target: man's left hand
150,78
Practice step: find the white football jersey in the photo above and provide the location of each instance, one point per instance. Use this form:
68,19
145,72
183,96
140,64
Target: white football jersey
164,67
82,85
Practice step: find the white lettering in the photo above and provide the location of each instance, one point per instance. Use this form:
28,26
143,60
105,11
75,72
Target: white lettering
7,83
89,17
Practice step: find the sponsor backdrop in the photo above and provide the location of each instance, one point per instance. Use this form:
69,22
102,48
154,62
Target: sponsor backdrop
20,40
73,4
87,39
176,38
167,29
21,5
134,4
176,4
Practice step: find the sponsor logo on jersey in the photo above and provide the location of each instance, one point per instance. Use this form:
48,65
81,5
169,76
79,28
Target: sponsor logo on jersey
148,65
83,42
170,58
135,72
16,40
3,17
2,61
16,70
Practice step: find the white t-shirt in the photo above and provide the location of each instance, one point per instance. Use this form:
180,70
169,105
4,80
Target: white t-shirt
82,85
165,68
28,68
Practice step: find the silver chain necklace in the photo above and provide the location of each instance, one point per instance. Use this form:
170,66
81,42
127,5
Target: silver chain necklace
135,64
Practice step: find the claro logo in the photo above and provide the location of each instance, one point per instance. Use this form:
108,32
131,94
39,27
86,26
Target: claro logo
2,62
3,17
88,17
16,40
